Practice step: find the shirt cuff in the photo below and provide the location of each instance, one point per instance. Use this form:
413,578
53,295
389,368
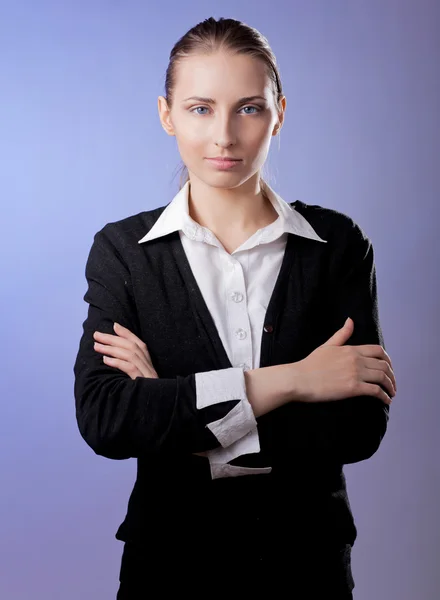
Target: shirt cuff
213,387
218,471
219,457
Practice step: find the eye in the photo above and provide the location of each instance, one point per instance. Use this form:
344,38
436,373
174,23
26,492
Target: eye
197,107
255,108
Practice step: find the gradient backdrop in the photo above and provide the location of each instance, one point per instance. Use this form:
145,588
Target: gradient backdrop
81,145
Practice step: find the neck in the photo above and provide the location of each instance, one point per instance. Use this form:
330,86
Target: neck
239,210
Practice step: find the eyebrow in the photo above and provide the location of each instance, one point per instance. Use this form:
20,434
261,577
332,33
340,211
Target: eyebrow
212,101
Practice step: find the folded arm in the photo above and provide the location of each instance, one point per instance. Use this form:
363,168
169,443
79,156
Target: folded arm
349,430
121,418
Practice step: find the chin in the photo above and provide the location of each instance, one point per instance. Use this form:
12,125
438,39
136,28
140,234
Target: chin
223,179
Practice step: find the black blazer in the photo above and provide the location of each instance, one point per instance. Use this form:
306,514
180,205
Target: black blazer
150,289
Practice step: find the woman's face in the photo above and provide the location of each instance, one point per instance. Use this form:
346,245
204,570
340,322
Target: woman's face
210,118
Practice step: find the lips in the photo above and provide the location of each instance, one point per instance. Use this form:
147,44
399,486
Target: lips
228,158
224,163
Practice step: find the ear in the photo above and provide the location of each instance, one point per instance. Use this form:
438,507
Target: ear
278,126
164,115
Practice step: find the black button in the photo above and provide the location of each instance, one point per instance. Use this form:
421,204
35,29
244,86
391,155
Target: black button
268,328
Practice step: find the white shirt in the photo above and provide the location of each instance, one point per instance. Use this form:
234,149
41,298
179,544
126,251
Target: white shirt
237,288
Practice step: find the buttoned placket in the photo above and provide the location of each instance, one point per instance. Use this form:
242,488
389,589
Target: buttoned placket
237,308
237,311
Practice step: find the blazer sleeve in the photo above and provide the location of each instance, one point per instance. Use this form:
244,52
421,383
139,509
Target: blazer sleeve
122,418
348,430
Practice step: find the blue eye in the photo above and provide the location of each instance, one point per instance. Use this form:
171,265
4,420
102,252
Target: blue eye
197,107
255,109
251,107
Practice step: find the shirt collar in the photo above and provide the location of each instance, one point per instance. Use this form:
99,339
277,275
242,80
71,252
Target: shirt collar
175,217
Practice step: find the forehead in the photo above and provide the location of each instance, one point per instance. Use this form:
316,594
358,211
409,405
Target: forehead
221,75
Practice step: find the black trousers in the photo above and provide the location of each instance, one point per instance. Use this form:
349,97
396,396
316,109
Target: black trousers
307,573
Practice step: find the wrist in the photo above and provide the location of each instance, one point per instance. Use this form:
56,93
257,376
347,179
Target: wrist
290,383
268,388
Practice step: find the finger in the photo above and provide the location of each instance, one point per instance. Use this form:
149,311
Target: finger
377,363
131,369
123,335
374,351
126,367
372,389
128,357
121,342
126,354
379,377
112,340
126,333
342,335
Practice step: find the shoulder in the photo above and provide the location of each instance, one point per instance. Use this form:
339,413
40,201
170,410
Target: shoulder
339,229
125,233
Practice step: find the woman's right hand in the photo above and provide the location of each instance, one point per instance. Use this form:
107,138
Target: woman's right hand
334,371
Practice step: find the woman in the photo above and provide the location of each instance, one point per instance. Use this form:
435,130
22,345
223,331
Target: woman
233,347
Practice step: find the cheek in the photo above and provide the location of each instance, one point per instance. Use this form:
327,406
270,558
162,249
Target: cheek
191,139
260,141
264,137
258,133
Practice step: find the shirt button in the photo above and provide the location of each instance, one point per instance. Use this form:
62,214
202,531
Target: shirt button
241,334
230,265
237,296
244,366
268,328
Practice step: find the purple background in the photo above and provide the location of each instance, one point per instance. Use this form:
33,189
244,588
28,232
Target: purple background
81,145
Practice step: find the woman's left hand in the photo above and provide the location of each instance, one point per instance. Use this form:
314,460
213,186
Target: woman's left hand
126,352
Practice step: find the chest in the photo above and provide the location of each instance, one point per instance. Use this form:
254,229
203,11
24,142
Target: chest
180,332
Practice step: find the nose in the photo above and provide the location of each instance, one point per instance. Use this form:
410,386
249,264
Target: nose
224,135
